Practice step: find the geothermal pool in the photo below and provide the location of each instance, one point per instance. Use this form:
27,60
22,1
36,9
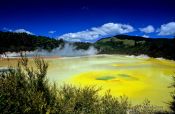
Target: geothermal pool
138,78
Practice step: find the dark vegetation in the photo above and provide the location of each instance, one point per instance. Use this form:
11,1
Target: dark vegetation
82,45
120,44
135,45
26,90
172,104
16,42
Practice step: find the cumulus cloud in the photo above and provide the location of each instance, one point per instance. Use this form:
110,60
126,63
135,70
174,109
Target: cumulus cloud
17,30
51,32
148,29
22,31
167,29
145,36
108,29
7,29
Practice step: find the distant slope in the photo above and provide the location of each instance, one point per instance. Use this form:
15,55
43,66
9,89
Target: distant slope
16,42
120,44
135,45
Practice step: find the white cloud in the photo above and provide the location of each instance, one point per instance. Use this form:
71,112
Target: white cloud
145,36
17,30
22,31
108,29
148,29
167,29
7,29
51,32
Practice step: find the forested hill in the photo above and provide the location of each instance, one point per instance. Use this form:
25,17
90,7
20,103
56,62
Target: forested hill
15,42
136,45
120,44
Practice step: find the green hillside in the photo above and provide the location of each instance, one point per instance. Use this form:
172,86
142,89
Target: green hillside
135,45
120,44
15,42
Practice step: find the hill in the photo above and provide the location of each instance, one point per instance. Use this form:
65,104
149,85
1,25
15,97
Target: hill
120,44
15,42
136,45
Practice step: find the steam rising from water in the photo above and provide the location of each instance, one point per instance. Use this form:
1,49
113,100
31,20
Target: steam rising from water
139,56
67,51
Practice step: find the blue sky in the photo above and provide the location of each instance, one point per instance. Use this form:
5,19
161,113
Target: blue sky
88,20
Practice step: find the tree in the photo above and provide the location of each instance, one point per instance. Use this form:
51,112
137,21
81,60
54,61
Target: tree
25,89
172,103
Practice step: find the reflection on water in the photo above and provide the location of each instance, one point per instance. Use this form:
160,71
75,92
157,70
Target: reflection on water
138,78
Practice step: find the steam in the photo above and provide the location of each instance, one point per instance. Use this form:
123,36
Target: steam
69,50
143,56
139,56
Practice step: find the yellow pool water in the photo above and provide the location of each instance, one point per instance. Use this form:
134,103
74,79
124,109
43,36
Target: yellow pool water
137,78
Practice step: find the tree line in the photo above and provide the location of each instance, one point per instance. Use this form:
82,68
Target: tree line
16,42
120,44
135,45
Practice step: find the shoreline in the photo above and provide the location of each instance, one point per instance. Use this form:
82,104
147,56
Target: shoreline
141,56
16,58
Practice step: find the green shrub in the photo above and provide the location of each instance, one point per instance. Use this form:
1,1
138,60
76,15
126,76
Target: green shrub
25,90
146,108
172,103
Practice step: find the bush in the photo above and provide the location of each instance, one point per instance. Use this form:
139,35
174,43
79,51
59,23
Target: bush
25,90
147,108
172,103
